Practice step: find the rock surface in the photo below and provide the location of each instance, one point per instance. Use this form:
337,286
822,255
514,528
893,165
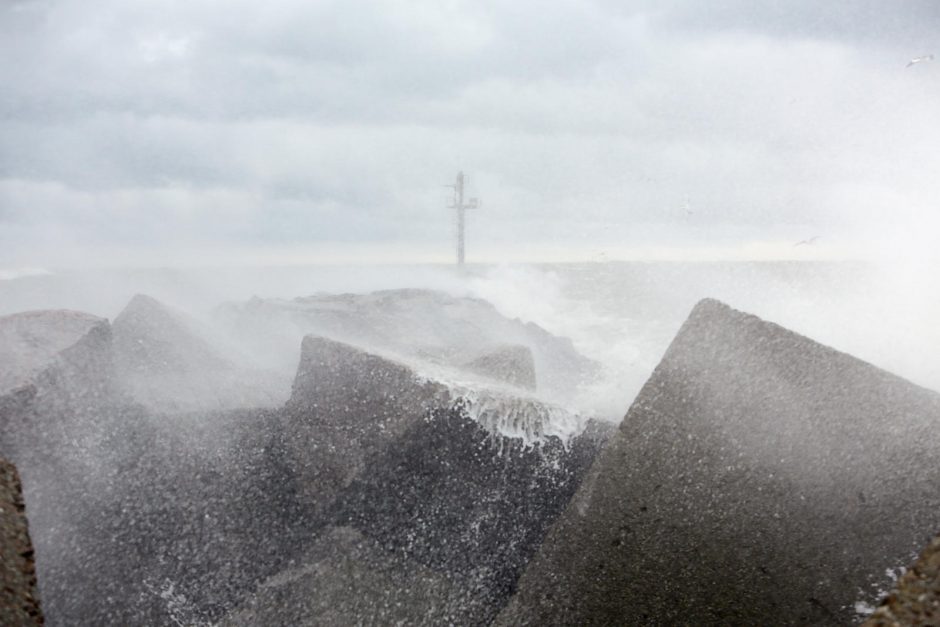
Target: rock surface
128,495
54,425
67,349
19,599
348,579
395,459
346,406
915,599
414,324
56,370
182,516
165,361
758,478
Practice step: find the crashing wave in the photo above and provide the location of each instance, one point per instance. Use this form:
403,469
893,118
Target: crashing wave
503,412
526,419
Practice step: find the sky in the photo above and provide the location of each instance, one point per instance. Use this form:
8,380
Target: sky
164,132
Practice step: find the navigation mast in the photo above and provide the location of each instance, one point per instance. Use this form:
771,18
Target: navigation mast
461,208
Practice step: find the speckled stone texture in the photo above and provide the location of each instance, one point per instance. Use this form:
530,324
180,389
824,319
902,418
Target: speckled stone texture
758,478
450,511
167,362
916,598
428,325
19,600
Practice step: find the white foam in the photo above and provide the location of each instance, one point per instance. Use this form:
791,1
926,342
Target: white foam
505,410
529,420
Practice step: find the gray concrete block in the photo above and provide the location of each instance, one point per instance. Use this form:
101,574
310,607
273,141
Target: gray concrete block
758,478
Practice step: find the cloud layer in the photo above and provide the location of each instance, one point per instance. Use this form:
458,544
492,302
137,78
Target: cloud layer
167,126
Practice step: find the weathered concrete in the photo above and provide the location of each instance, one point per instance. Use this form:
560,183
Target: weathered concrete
181,516
67,352
54,427
348,579
466,503
346,406
197,514
57,372
33,342
19,599
166,361
758,478
416,324
150,504
915,600
395,457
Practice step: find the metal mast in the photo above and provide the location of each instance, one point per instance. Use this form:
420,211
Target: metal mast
461,208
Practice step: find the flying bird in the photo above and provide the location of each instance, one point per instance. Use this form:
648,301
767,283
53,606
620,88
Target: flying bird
916,60
807,242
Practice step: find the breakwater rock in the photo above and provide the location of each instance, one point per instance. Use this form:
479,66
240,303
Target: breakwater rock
58,357
188,516
166,361
427,325
758,478
400,466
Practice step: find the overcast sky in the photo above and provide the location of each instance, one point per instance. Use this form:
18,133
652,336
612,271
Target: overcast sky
162,131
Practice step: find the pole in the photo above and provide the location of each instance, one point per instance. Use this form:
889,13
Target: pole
461,208
461,219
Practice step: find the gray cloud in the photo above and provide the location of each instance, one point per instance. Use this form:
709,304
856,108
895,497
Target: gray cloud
907,22
293,122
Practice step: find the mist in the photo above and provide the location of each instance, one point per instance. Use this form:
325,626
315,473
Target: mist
622,314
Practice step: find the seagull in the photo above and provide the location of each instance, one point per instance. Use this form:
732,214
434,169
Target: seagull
807,242
916,60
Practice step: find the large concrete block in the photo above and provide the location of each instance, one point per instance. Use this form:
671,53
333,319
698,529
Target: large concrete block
347,578
440,487
416,324
180,517
65,350
758,478
57,382
55,374
168,362
346,406
158,508
467,503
